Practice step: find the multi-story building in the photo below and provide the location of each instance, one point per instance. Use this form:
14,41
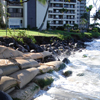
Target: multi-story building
31,13
57,18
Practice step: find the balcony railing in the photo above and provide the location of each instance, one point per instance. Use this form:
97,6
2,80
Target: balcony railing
14,4
16,14
70,1
58,0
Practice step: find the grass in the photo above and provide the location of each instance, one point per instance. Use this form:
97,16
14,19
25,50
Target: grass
37,33
56,33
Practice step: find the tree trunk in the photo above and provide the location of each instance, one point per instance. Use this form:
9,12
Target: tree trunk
40,28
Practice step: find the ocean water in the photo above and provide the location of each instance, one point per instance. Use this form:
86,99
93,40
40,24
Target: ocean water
84,83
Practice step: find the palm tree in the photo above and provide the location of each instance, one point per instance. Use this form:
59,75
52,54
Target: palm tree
86,16
83,23
40,28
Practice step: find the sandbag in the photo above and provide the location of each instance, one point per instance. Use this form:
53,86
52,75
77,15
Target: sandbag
8,66
38,55
26,62
1,71
7,82
57,65
44,68
10,53
46,53
43,80
26,93
2,48
25,76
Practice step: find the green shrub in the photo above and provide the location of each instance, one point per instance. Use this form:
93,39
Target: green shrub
64,37
32,38
60,28
19,35
95,29
76,31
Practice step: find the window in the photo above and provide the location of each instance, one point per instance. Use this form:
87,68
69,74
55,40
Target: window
10,10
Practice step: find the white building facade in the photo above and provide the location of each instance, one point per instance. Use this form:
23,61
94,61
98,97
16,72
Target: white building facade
32,13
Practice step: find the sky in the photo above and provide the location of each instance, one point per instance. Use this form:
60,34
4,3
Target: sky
95,7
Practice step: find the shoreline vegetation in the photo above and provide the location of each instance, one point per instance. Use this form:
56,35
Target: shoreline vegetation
38,49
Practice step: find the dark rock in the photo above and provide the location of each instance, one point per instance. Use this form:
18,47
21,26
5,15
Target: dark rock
9,40
53,48
3,43
32,51
66,60
67,73
32,46
80,74
0,43
49,58
21,48
1,39
16,45
11,45
68,52
4,96
39,49
27,40
53,44
27,47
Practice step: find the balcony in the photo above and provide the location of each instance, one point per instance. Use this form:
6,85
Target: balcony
74,1
58,5
56,1
14,4
16,14
56,24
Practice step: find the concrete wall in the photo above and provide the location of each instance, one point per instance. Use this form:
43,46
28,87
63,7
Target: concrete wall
41,10
31,13
25,15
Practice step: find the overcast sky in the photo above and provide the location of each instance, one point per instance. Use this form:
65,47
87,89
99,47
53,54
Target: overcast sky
90,2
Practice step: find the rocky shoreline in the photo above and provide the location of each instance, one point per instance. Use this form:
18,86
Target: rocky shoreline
51,44
25,68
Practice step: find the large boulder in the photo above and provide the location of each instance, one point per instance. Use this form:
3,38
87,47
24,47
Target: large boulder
67,73
66,60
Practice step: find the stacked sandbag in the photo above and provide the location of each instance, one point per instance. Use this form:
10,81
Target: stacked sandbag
26,93
57,65
8,66
7,52
7,83
26,62
43,80
38,55
44,68
1,71
25,76
2,48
